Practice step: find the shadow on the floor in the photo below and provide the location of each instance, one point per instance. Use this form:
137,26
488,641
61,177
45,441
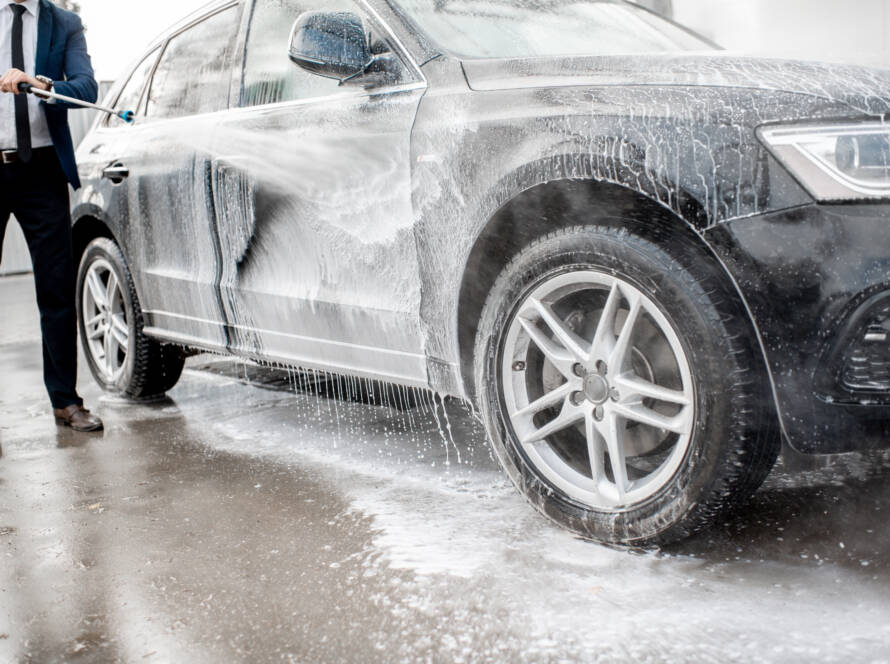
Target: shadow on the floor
833,514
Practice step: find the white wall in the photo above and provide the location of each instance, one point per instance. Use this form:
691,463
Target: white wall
855,31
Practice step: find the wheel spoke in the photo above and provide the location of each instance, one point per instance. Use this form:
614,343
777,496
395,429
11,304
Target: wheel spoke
559,357
118,321
637,412
111,290
110,351
96,333
604,338
633,386
594,449
612,430
99,347
618,357
570,341
568,416
97,290
93,321
120,331
550,399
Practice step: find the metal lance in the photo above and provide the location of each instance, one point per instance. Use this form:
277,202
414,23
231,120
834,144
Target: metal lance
126,116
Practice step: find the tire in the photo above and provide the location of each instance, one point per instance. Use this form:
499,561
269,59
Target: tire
654,447
121,358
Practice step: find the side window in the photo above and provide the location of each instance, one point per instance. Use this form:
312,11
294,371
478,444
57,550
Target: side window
131,95
269,74
194,73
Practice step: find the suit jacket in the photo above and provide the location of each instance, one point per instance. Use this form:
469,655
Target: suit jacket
62,56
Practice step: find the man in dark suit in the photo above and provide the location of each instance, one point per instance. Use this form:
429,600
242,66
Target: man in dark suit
44,46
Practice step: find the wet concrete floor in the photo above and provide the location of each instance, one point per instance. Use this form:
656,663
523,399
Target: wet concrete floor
242,520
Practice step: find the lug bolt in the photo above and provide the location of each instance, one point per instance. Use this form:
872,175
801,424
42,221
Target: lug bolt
519,366
615,394
601,368
579,370
599,413
578,398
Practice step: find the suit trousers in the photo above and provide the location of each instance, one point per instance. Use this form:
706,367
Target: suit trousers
37,194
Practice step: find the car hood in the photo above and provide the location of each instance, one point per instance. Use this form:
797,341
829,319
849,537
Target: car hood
863,89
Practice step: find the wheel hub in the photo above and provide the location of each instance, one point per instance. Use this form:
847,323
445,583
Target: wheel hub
596,389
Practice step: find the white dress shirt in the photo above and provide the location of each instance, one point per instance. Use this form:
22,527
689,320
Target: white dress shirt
40,137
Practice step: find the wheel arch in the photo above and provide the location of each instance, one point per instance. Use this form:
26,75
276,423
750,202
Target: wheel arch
560,203
88,226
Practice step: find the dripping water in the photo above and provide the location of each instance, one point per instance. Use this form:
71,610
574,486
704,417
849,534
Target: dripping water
415,415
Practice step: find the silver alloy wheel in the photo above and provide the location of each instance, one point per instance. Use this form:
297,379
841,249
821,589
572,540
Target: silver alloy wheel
598,389
105,320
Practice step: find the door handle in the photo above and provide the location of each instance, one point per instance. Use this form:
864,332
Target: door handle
116,173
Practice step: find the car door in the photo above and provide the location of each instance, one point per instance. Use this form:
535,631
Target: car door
103,152
170,202
313,191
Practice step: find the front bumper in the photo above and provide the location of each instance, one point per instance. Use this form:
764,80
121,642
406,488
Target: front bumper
817,281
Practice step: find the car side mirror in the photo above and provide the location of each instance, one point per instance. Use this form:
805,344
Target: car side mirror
330,44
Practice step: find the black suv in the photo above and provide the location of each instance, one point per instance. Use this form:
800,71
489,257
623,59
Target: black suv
645,261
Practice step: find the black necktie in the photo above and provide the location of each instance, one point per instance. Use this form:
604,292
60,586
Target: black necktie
22,122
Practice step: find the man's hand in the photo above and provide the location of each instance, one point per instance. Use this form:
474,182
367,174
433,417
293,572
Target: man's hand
9,82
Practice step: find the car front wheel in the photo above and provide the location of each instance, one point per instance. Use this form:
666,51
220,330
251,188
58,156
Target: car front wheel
620,386
121,358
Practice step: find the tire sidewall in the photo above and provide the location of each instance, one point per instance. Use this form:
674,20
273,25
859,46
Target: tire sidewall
696,321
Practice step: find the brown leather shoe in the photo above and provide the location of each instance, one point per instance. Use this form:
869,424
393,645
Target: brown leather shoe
78,418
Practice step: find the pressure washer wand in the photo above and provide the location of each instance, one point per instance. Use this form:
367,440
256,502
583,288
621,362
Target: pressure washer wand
126,116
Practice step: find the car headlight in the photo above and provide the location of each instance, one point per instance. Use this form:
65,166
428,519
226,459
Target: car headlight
835,163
